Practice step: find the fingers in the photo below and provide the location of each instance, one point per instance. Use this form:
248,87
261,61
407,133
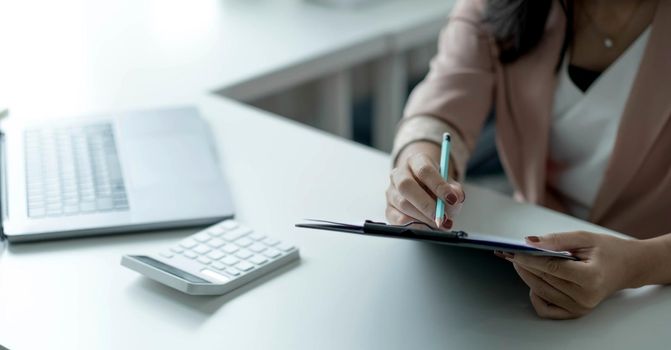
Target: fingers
396,217
547,310
569,270
398,202
548,292
562,241
452,210
569,288
586,295
415,187
411,191
551,296
427,172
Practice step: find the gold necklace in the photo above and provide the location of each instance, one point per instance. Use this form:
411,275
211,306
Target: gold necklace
608,40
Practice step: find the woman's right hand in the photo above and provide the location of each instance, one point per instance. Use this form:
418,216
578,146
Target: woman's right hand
415,185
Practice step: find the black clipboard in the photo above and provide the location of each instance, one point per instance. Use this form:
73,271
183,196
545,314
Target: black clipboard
453,238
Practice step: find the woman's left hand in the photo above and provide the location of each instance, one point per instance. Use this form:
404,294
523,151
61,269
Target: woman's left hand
564,289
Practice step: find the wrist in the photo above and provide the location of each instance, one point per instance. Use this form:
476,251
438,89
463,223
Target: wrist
639,264
649,261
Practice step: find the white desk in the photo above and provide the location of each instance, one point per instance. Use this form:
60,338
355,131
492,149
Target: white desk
346,293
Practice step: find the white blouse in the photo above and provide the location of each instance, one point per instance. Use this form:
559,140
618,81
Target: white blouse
584,127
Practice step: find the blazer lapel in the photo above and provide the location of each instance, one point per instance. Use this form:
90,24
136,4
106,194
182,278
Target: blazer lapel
646,112
530,83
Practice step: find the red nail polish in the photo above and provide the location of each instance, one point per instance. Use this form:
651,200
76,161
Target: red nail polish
533,239
451,198
447,223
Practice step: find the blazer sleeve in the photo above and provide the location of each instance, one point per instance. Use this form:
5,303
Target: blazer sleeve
457,93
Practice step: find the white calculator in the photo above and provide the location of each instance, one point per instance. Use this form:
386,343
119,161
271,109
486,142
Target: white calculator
215,260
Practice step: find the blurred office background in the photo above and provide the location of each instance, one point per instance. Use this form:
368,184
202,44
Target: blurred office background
369,98
343,66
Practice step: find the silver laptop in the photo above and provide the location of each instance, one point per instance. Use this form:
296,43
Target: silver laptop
113,173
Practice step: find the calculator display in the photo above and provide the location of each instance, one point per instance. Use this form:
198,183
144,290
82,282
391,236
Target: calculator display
170,269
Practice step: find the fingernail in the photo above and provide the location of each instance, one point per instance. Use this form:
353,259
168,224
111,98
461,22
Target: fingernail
452,199
447,223
532,239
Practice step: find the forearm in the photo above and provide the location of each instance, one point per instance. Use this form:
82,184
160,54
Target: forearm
654,261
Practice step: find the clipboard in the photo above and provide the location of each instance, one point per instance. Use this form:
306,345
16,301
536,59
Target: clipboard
453,238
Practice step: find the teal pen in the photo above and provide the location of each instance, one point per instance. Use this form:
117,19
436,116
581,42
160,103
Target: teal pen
444,171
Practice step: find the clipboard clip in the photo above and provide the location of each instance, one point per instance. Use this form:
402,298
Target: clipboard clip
381,227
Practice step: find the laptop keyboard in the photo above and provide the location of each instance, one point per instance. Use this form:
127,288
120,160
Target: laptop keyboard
73,170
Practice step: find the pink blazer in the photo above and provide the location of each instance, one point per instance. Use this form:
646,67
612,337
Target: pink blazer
466,80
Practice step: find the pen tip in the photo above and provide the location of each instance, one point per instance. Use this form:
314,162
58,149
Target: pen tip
437,221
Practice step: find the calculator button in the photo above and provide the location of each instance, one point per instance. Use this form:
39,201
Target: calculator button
215,255
177,250
166,254
244,242
285,247
257,236
271,241
230,249
244,254
235,234
229,224
215,231
257,247
204,260
216,243
202,237
201,249
189,254
244,266
258,260
272,253
217,265
232,271
188,243
230,260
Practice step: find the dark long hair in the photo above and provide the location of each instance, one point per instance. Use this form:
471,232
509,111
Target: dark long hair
518,25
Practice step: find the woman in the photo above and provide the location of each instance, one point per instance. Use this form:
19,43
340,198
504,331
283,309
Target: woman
580,90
